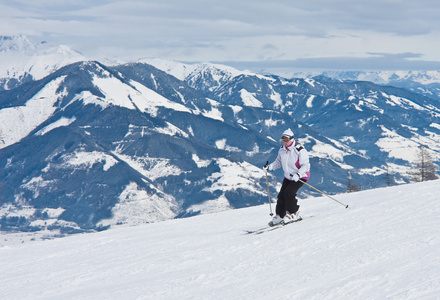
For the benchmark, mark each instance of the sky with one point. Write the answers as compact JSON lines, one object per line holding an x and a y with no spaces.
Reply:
{"x":247,"y":34}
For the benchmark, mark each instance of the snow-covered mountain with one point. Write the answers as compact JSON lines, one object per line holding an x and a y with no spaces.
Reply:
{"x":103,"y":144}
{"x":91,"y":145}
{"x":21,"y":60}
{"x":377,"y":121}
{"x":18,"y":44}
{"x":426,"y":83}
{"x":385,"y":246}
{"x":378,"y":77}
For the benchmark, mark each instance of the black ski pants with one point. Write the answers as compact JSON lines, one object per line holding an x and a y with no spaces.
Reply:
{"x":287,"y":197}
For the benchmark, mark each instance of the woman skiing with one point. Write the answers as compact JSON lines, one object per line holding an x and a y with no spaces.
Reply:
{"x":294,"y":160}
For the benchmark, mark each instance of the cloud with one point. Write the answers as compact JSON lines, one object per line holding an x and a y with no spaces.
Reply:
{"x":388,"y":16}
{"x":378,"y":61}
{"x":304,"y":32}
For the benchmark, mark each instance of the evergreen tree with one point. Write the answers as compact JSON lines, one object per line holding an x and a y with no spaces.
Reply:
{"x":352,"y":186}
{"x":388,"y":179}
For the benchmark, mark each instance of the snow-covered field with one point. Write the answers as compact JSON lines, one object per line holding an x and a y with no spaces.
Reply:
{"x":385,"y":246}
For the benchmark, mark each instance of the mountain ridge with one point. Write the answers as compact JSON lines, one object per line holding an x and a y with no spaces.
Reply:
{"x":426,"y":83}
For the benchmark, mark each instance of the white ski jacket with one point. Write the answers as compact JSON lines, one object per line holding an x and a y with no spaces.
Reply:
{"x":293,"y":160}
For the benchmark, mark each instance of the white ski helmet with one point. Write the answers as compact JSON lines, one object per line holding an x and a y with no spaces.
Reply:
{"x":288,"y":133}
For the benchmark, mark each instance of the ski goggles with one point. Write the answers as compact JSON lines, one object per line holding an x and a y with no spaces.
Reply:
{"x":285,"y":138}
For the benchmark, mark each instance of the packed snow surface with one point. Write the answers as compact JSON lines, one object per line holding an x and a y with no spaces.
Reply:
{"x":384,"y":246}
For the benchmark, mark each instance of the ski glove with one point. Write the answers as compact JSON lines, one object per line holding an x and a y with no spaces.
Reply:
{"x":295,"y":177}
{"x":266,"y":167}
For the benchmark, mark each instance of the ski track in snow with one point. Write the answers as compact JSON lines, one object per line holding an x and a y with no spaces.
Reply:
{"x":385,"y":246}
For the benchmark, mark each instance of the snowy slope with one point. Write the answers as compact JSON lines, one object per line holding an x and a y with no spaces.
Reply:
{"x":385,"y":246}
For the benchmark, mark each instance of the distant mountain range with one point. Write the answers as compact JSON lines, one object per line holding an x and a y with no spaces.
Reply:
{"x":426,"y":83}
{"x":87,"y":145}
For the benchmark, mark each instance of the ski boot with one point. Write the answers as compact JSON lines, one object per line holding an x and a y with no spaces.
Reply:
{"x":276,"y":221}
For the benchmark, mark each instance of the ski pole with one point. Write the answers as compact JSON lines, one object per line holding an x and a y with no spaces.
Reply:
{"x":268,"y":193}
{"x":346,"y":205}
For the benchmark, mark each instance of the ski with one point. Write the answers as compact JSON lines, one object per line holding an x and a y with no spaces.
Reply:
{"x":271,"y":228}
